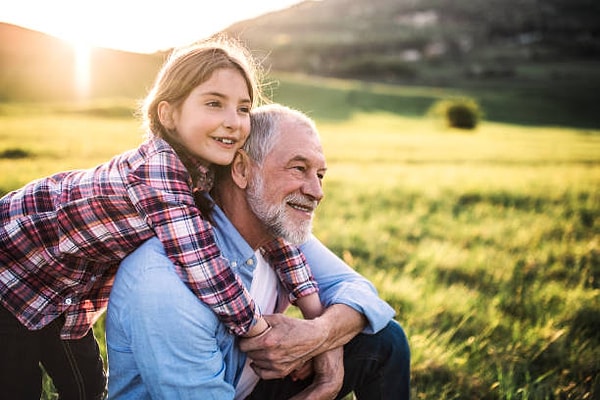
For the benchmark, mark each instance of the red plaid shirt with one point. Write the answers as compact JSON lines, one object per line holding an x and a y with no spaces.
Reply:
{"x":62,"y":239}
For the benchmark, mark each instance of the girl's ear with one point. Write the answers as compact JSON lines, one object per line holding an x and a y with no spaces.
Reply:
{"x":165,"y":114}
{"x":240,"y":168}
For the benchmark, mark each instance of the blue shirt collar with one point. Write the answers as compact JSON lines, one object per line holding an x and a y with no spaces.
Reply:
{"x":233,"y":246}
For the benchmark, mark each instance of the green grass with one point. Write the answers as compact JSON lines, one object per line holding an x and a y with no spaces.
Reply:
{"x":486,"y":243}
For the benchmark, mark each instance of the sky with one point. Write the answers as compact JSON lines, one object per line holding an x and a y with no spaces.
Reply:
{"x":142,"y":26}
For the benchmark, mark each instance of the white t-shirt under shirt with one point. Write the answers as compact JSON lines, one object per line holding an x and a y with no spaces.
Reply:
{"x":264,"y":292}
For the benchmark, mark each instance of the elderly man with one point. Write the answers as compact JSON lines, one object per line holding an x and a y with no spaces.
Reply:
{"x":164,"y":343}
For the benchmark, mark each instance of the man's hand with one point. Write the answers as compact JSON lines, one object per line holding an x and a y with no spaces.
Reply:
{"x":286,"y":347}
{"x":303,"y":372}
{"x":291,"y":341}
{"x":328,"y":378}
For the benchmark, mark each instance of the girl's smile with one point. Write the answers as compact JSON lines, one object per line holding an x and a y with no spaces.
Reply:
{"x":214,"y":120}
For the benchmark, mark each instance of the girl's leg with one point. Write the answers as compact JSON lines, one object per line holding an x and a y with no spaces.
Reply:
{"x":20,"y":374}
{"x":75,"y":366}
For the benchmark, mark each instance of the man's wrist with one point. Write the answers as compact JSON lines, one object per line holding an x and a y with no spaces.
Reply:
{"x":323,"y":328}
{"x":338,"y":325}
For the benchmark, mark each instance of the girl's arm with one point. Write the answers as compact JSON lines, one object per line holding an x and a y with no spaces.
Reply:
{"x":159,"y":189}
{"x":292,"y":269}
{"x":310,"y":306}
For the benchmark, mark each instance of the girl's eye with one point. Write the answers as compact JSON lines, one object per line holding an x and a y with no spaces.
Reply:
{"x":245,"y":110}
{"x":213,"y":104}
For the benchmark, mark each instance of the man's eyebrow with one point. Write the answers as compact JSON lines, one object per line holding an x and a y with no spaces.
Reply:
{"x":300,"y":158}
{"x":305,"y":160}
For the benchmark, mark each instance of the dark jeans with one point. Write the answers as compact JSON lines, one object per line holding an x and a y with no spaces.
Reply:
{"x":375,"y":367}
{"x":75,"y":366}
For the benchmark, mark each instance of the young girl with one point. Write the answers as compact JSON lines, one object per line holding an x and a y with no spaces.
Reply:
{"x":62,"y":237}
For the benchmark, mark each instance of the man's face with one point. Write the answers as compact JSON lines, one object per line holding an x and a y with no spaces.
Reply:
{"x":285,"y":191}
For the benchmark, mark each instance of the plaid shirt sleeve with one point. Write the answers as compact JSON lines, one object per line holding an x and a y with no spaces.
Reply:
{"x":80,"y":318}
{"x":159,"y":189}
{"x":291,"y":267}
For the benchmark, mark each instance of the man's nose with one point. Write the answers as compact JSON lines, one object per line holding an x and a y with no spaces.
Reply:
{"x":314,"y":188}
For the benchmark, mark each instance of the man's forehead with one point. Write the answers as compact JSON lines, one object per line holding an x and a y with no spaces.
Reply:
{"x":300,"y":136}
{"x":297,"y":130}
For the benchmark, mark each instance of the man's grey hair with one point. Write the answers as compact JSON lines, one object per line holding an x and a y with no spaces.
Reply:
{"x":265,"y":129}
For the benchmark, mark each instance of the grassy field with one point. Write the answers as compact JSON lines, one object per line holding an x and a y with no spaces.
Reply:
{"x":487,"y":242}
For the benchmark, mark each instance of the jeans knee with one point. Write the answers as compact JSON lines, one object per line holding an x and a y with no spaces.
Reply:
{"x":397,"y":343}
{"x":389,"y":345}
{"x":378,"y":365}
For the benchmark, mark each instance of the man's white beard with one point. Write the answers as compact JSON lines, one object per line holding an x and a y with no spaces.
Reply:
{"x":274,"y":216}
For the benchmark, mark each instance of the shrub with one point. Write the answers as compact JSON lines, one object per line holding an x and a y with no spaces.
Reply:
{"x":462,"y":113}
{"x":14,"y":153}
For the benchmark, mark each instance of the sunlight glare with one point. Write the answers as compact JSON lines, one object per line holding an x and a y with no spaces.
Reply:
{"x":132,"y":25}
{"x":83,"y":53}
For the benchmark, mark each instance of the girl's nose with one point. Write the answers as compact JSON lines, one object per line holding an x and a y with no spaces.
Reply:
{"x":232,"y":119}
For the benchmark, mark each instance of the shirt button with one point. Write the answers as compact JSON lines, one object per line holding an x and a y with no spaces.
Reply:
{"x":93,"y":279}
{"x":68,"y":301}
{"x":250,"y":262}
{"x":234,"y":264}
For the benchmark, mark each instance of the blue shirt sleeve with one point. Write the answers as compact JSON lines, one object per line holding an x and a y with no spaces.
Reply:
{"x":340,"y":284}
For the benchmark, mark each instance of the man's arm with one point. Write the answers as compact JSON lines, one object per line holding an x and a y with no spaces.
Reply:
{"x":340,"y":284}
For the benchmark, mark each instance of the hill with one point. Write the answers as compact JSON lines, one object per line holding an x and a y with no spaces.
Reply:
{"x":526,"y":61}
{"x":425,"y":41}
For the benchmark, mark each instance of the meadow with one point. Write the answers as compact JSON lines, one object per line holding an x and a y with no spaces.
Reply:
{"x":486,"y":242}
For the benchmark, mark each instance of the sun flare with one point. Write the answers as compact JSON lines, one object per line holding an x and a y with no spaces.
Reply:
{"x":82,"y":58}
{"x":127,"y":26}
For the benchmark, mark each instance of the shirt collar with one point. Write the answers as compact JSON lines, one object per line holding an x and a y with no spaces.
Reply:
{"x":204,"y":174}
{"x":233,"y":246}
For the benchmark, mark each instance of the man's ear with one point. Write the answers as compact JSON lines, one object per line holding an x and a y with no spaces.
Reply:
{"x":240,"y":169}
{"x":165,"y":114}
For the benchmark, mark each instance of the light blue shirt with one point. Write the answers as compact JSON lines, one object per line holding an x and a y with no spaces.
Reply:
{"x":164,"y":343}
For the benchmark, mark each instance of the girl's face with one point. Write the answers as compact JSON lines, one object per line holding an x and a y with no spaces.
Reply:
{"x":214,"y":120}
